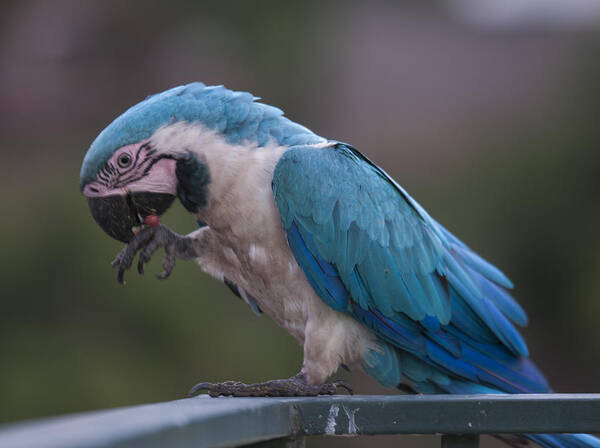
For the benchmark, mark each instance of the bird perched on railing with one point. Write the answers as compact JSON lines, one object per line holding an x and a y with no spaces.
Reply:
{"x":312,"y":233}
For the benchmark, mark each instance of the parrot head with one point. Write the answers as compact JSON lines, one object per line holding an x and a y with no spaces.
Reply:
{"x":172,"y":145}
{"x":127,"y":176}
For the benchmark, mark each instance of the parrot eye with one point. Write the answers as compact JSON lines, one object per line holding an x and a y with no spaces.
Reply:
{"x":124,"y":160}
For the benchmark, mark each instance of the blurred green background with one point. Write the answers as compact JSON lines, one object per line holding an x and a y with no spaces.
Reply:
{"x":487,"y":113}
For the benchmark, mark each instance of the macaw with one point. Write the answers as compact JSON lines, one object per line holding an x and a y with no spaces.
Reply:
{"x":312,"y":233}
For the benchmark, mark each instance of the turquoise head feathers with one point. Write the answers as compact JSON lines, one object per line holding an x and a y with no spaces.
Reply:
{"x":235,"y":115}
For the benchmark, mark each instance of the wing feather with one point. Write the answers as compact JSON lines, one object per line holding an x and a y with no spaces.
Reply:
{"x":370,"y":250}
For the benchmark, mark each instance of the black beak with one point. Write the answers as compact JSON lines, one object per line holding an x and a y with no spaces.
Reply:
{"x":117,"y":215}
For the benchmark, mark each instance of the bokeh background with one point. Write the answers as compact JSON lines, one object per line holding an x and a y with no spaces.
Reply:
{"x":486,"y":111}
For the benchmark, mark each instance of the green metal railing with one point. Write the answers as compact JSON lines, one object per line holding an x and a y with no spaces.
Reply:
{"x":229,"y":422}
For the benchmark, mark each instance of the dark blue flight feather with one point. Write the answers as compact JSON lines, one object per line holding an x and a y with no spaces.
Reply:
{"x":442,"y":313}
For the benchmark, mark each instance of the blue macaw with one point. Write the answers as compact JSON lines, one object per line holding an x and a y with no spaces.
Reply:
{"x":312,"y":233}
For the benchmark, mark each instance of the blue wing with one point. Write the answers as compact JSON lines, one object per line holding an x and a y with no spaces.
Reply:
{"x":443,"y":314}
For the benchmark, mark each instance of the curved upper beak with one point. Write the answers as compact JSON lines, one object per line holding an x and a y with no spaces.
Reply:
{"x":117,"y":215}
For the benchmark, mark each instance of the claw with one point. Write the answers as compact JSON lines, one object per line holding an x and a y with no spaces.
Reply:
{"x":140,"y":266}
{"x":121,"y":276}
{"x":163,"y":275}
{"x":344,"y":385}
{"x":168,"y":263}
{"x":227,"y":388}
{"x":117,"y":261}
{"x":198,"y":387}
{"x":148,"y":240}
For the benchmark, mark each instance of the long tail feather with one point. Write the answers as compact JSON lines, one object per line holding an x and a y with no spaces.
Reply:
{"x":565,"y":440}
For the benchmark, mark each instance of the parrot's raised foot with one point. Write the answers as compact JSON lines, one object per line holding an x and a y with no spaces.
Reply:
{"x":291,"y":387}
{"x":147,"y":241}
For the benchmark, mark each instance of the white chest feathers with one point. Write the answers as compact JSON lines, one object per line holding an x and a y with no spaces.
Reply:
{"x":245,"y":242}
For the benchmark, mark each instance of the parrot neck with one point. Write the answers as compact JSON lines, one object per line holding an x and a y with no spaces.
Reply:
{"x":220,"y":182}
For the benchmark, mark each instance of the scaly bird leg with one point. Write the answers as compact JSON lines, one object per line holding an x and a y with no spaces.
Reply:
{"x":148,"y":241}
{"x":296,"y":386}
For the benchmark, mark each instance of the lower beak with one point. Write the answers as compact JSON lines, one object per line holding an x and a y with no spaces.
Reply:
{"x":118,"y":214}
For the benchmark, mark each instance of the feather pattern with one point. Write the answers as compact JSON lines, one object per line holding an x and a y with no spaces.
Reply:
{"x":443,"y":316}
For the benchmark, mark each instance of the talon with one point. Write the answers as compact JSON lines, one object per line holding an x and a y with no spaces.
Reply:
{"x":168,"y":262}
{"x":200,"y":386}
{"x":344,"y":385}
{"x":140,"y":266}
{"x":146,"y":242}
{"x":121,"y":275}
{"x":163,"y":275}
{"x":117,"y":261}
{"x":166,"y":272}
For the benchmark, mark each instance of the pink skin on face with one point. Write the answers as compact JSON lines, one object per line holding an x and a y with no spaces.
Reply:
{"x":134,"y":168}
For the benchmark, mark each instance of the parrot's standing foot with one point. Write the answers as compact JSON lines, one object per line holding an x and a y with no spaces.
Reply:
{"x":148,"y":240}
{"x":295,"y":386}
